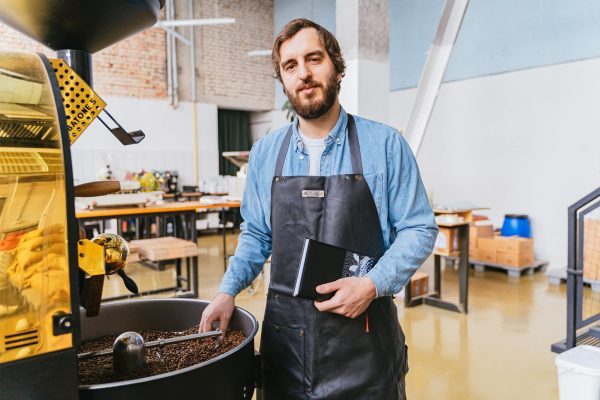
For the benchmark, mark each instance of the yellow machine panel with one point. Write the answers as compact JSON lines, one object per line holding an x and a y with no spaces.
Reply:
{"x":82,"y":105}
{"x":34,"y":261}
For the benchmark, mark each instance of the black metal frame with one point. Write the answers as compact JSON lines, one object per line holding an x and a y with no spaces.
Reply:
{"x":80,"y":61}
{"x":575,"y":321}
{"x":224,"y":231}
{"x":434,"y":299}
{"x":72,"y":226}
{"x":189,"y":217}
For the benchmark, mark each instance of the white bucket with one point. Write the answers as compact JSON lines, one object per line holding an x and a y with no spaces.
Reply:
{"x":579,"y":373}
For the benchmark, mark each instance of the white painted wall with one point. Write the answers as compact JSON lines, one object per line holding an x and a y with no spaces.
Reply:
{"x":366,"y":85}
{"x":349,"y":93}
{"x":374,"y":89}
{"x":526,"y":141}
{"x":169,"y":142}
{"x":365,"y":89}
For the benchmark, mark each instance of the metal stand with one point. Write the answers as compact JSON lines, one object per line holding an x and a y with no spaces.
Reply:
{"x":224,"y":239}
{"x":223,"y":228}
{"x":225,"y":255}
{"x":435,"y":299}
{"x":576,"y":335}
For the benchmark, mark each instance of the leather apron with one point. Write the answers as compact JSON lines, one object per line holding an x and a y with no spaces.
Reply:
{"x":308,"y":354}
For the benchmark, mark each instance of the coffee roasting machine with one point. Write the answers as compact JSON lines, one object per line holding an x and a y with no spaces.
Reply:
{"x":51,"y":277}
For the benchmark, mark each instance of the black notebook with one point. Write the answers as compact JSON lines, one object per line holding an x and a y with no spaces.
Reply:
{"x":322,"y":263}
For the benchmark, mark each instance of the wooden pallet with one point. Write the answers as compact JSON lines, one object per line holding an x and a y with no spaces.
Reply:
{"x":594,"y":284}
{"x":513,"y":272}
{"x":558,"y":276}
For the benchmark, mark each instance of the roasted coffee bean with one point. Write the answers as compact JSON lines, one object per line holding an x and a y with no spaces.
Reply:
{"x":174,"y":356}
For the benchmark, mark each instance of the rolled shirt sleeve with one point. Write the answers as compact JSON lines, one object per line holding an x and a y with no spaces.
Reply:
{"x":411,"y":218}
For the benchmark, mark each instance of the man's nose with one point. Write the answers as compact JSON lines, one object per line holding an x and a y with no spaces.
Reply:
{"x":303,"y":71}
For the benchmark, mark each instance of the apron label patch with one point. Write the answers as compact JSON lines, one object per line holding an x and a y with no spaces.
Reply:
{"x":313,"y":193}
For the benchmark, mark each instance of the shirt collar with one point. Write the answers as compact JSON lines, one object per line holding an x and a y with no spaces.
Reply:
{"x":337,"y":133}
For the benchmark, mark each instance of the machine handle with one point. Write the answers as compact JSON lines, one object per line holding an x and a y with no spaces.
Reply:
{"x":97,"y":188}
{"x":129,"y":283}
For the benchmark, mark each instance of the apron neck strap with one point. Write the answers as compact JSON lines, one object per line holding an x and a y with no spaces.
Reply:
{"x":354,"y":146}
{"x":352,"y":139}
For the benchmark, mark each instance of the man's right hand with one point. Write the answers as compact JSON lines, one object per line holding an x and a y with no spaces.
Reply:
{"x":220,"y":309}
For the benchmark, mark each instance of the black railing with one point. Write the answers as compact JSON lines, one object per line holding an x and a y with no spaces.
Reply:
{"x":575,"y":321}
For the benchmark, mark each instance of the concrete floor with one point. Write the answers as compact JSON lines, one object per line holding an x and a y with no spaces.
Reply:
{"x":500,"y":350}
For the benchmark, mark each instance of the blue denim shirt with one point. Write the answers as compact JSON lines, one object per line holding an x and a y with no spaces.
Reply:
{"x":390,"y":169}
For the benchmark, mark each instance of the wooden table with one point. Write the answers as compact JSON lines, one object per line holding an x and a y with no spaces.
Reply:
{"x":187,"y":210}
{"x":435,"y":298}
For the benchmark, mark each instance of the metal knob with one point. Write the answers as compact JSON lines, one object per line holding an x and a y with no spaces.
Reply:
{"x":129,"y":352}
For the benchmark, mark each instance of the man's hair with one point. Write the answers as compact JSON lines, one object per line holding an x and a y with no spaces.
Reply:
{"x":327,"y":39}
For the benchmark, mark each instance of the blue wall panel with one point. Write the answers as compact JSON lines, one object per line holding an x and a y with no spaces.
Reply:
{"x":412,"y":27}
{"x":496,"y":36}
{"x":320,"y":11}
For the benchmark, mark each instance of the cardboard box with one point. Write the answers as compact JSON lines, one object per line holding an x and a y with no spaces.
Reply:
{"x":514,"y":259}
{"x":485,"y":256}
{"x":590,"y":266}
{"x":477,"y":231}
{"x":486,"y":244}
{"x":592,"y":226}
{"x":591,"y":249}
{"x":419,"y":284}
{"x":514,"y":244}
{"x":474,"y":255}
{"x":447,"y":240}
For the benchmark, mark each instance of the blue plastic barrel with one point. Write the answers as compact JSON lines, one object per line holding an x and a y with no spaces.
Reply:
{"x":516,"y":225}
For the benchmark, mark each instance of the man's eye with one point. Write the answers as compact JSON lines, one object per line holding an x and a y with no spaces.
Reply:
{"x":313,"y":59}
{"x":289,"y":67}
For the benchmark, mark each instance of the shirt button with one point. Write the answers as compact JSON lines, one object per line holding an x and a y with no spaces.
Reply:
{"x":338,"y":140}
{"x":301,"y":157}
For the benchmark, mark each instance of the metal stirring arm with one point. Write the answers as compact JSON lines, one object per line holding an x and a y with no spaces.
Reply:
{"x":155,"y":343}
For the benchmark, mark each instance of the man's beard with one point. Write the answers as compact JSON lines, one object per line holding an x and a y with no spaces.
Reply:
{"x":315,"y":109}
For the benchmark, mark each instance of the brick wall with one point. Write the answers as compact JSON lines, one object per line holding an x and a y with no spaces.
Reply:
{"x":134,"y":67}
{"x":227,"y":76}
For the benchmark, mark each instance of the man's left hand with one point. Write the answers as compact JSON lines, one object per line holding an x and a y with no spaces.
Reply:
{"x":352,"y":296}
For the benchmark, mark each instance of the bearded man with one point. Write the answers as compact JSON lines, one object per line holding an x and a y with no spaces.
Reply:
{"x":341,"y":180}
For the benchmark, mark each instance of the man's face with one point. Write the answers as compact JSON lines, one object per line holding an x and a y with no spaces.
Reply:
{"x":308,"y":75}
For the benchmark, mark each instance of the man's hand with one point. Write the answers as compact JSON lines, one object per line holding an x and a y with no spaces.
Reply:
{"x":352,"y":296}
{"x":220,"y":309}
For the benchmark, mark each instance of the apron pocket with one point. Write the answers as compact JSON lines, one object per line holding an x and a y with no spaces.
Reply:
{"x":282,"y":354}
